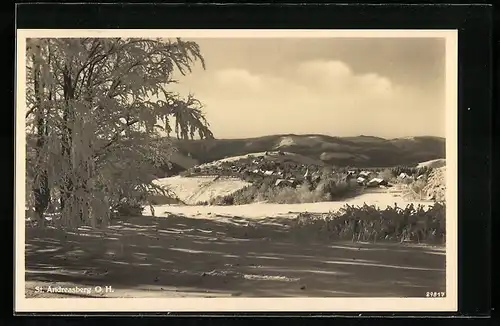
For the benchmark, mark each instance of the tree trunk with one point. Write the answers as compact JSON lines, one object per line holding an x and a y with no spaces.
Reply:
{"x":67,"y":186}
{"x":41,"y":191}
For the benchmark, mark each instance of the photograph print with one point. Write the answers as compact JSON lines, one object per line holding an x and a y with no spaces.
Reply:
{"x":212,"y":170}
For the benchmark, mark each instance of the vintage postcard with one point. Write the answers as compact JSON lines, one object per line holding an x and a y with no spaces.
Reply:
{"x":236,"y":170}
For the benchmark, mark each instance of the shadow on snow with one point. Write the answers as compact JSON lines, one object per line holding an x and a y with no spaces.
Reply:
{"x":177,"y":253}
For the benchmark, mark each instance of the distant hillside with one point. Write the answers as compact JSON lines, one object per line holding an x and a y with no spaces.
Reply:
{"x":361,"y":151}
{"x":435,"y":164}
{"x":269,"y":157}
{"x":178,"y":161}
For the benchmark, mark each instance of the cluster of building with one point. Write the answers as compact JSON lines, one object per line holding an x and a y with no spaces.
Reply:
{"x":290,"y":173}
{"x":405,"y":176}
{"x":367,"y":179}
{"x":372,"y":179}
{"x":286,"y":173}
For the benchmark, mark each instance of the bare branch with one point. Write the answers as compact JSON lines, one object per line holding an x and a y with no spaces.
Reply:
{"x":115,"y":138}
{"x":31,"y":110}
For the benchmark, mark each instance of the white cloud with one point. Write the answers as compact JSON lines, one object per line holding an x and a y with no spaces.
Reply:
{"x":313,"y":97}
{"x":337,"y":77}
{"x":238,"y":78}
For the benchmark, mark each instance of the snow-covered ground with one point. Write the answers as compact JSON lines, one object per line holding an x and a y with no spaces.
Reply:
{"x":433,"y":163}
{"x":211,"y":256}
{"x":193,"y":190}
{"x":262,"y":210}
{"x":228,"y":251}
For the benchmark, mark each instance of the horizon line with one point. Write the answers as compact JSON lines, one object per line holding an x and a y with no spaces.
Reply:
{"x":309,"y":135}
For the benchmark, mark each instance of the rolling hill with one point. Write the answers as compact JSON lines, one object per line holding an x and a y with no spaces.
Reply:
{"x":269,"y":156}
{"x":361,"y":151}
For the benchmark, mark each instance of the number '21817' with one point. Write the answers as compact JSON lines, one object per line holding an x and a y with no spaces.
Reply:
{"x":435,"y":294}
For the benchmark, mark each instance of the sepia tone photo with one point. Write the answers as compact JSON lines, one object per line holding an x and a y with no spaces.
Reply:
{"x":236,"y":170}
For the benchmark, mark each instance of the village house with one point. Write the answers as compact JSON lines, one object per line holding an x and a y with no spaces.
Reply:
{"x":377,"y":182}
{"x":403,"y":176}
{"x":284,"y":183}
{"x":364,"y":174}
{"x":361,"y":181}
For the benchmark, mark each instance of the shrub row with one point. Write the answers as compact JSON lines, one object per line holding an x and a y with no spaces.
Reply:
{"x":411,"y":170}
{"x":326,"y":190}
{"x":370,"y":223}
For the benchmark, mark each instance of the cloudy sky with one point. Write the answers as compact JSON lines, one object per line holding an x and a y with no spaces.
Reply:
{"x":382,"y":87}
